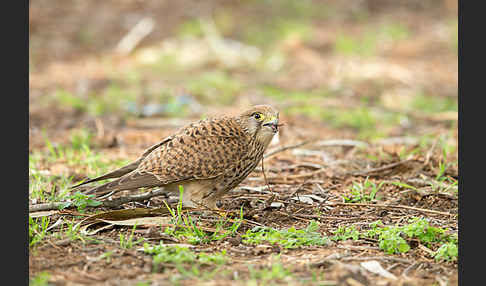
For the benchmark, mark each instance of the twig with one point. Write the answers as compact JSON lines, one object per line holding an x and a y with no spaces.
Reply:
{"x":135,"y":35}
{"x":284,"y":148}
{"x":284,"y":181}
{"x":265,"y":177}
{"x":100,"y":130}
{"x":113,"y":203}
{"x":53,"y":244}
{"x":417,"y":169}
{"x":429,"y":153}
{"x":293,"y":216}
{"x":342,"y":142}
{"x":390,"y":207}
{"x":412,"y":266}
{"x":358,"y":247}
{"x":355,"y":173}
{"x":335,"y":217}
{"x":45,"y":207}
{"x":252,"y":189}
{"x":310,"y":174}
{"x":292,"y":167}
{"x":397,"y":140}
{"x":332,"y":260}
{"x":382,"y":168}
{"x":396,"y":259}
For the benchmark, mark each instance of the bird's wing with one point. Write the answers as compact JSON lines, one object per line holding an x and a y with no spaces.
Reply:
{"x":203,"y":151}
{"x":125,"y":169}
{"x":200,"y":151}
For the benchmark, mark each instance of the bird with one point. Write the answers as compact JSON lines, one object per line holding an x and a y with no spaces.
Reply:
{"x":205,"y":159}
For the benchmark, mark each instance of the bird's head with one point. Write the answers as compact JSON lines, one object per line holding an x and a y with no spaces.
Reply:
{"x":261,"y":121}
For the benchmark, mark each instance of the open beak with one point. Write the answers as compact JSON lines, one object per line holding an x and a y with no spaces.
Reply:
{"x":273,"y":125}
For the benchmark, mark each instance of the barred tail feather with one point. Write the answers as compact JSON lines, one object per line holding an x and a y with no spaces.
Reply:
{"x":130,"y":181}
{"x":115,"y":174}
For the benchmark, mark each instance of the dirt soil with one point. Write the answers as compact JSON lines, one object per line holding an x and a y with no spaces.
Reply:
{"x":327,"y":172}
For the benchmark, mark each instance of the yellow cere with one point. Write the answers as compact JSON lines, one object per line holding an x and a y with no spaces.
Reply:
{"x":273,"y":118}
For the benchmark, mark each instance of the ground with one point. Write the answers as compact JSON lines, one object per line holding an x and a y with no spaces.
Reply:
{"x":360,"y":186}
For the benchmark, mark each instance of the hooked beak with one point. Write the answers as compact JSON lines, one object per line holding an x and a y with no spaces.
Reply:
{"x":273,"y":124}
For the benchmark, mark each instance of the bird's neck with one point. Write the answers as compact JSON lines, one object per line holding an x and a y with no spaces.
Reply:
{"x":257,"y":144}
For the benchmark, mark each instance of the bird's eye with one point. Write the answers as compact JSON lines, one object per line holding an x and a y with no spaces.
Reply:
{"x":257,"y":116}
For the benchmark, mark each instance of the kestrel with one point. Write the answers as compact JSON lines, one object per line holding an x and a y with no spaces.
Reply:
{"x":207,"y":158}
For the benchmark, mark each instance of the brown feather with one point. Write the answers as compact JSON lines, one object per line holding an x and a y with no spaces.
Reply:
{"x":125,"y":169}
{"x":129,"y":181}
{"x":208,"y":158}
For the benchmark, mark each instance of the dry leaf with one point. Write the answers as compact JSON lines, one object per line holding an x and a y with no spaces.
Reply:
{"x":374,"y":266}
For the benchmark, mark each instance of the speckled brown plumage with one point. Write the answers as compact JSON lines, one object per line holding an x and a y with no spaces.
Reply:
{"x":208,"y":158}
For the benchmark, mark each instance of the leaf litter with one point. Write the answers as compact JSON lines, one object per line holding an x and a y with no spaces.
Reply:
{"x":310,"y":171}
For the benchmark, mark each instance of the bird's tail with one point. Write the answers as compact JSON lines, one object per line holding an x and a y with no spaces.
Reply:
{"x":115,"y":174}
{"x":130,"y":181}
